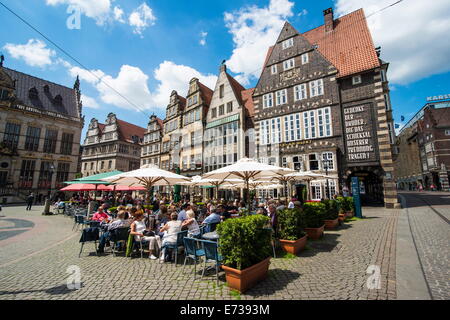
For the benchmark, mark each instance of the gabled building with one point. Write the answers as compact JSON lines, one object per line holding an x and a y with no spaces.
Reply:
{"x":114,"y":145}
{"x":194,"y":120}
{"x":151,"y":145}
{"x":171,"y":141}
{"x":40,"y":130}
{"x":322,"y":104}
{"x":229,"y":127}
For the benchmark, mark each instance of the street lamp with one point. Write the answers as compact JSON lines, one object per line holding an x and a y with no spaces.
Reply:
{"x":325,"y":164}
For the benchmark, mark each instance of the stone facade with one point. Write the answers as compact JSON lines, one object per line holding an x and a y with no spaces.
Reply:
{"x":115,"y":145}
{"x":40,"y":130}
{"x":151,"y":145}
{"x":315,"y":111}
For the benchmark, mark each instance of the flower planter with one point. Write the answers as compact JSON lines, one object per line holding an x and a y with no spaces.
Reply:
{"x":349,"y":214}
{"x":315,"y":233}
{"x":331,"y":224}
{"x":294,"y":247}
{"x":242,"y":280}
{"x":342,"y":217}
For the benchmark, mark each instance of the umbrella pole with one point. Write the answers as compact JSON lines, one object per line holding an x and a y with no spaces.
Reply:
{"x":248,"y":195}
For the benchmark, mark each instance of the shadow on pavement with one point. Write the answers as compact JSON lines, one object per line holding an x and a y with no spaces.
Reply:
{"x":62,"y":289}
{"x":277,"y":280}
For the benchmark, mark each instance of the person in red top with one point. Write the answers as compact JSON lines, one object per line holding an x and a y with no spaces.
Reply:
{"x":100,"y":215}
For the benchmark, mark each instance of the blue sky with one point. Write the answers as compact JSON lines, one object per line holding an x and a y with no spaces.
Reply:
{"x":145,"y":49}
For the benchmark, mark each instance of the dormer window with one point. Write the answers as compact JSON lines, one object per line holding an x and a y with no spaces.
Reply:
{"x":33,"y":93}
{"x":274,"y":69}
{"x":46,"y":88}
{"x":305,"y":58}
{"x":288,"y":43}
{"x":356,"y":80}
{"x":58,"y":99}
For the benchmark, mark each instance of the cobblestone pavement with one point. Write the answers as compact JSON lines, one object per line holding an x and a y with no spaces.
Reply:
{"x":428,"y":214}
{"x":332,"y":268}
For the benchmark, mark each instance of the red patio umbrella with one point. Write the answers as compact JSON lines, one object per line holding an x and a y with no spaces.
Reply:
{"x":82,"y":187}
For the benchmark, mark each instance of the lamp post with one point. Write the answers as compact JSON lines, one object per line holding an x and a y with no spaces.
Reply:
{"x":47,"y":199}
{"x":325,"y":166}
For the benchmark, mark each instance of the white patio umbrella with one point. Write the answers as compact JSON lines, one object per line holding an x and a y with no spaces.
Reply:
{"x":307,"y":176}
{"x":248,"y":169}
{"x":147,"y":176}
{"x":198,"y":181}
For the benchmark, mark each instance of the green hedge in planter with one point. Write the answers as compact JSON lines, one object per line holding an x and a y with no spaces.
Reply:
{"x":331,"y":209}
{"x":346,"y":204}
{"x":291,"y":224}
{"x":314,"y":214}
{"x":244,"y":242}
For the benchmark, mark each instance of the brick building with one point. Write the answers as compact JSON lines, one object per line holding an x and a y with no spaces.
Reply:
{"x":114,"y":145}
{"x":322,"y":104}
{"x":151,"y":144}
{"x":40,"y":130}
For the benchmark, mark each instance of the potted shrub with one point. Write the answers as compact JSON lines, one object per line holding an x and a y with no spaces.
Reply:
{"x":314,"y":215}
{"x":331,"y":217}
{"x":291,"y":234}
{"x":346,"y":205}
{"x":245,"y":247}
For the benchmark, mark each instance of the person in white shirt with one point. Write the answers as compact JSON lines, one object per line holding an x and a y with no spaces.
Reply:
{"x":172,"y":228}
{"x":192,"y":225}
{"x":138,"y":228}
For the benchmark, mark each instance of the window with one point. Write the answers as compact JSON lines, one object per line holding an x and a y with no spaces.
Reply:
{"x":392,"y":133}
{"x":102,"y":165}
{"x":268,"y":100}
{"x":447,"y":132}
{"x":51,"y":137}
{"x":313,"y":162}
{"x":221,"y":91}
{"x":332,"y":190}
{"x":316,"y":191}
{"x":388,"y":102}
{"x":305,"y":58}
{"x":316,"y":88}
{"x":274,"y":69}
{"x":276,"y":130}
{"x":288,"y":64}
{"x":45,"y":175}
{"x":230,"y":107}
{"x":92,"y":166}
{"x":221,"y":110}
{"x":3,"y":94}
{"x":62,"y":173}
{"x":110,"y":164}
{"x":306,"y":125}
{"x":284,"y":162}
{"x":281,"y":97}
{"x":12,"y":134}
{"x":328,"y":131}
{"x":383,"y":75}
{"x":214,"y":113}
{"x":312,"y":124}
{"x":287,"y":43}
{"x":327,"y":158}
{"x":66,"y":143}
{"x":321,"y":122}
{"x":289,"y":128}
{"x":264,"y":132}
{"x":27,"y":173}
{"x":300,"y":92}
{"x":298,"y":163}
{"x":32,"y":139}
{"x":356,"y":80}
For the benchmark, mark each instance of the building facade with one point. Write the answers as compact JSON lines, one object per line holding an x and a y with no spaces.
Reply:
{"x":40,"y":130}
{"x":151,"y":145}
{"x":114,"y":145}
{"x":316,"y":111}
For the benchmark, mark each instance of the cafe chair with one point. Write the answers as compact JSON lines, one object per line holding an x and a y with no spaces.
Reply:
{"x":191,"y":252}
{"x":89,"y":235}
{"x":211,"y":256}
{"x":119,"y":235}
{"x":176,"y":246}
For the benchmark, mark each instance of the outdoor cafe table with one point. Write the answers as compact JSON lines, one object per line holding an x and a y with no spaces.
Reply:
{"x":211,"y":236}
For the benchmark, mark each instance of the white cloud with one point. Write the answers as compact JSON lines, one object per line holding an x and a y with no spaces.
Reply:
{"x":91,"y":77}
{"x":254,"y":30}
{"x":141,"y":18}
{"x":176,"y":77}
{"x":89,"y":102}
{"x":304,"y":12}
{"x":118,"y":14}
{"x":35,"y":53}
{"x":99,"y":10}
{"x":413,"y":35}
{"x":203,"y":36}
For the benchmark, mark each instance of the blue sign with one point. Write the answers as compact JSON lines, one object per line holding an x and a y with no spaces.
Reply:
{"x":356,"y":192}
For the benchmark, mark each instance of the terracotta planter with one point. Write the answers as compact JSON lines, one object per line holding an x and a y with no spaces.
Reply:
{"x":342,"y":217}
{"x":349,"y":214}
{"x":242,"y":280}
{"x":294,"y":247}
{"x":331,"y":224}
{"x":315,"y":233}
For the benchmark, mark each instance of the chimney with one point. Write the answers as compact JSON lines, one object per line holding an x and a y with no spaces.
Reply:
{"x":329,"y":23}
{"x":223,"y":66}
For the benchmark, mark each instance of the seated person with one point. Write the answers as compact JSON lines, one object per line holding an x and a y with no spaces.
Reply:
{"x":100,"y":215}
{"x":171,"y":228}
{"x":192,"y":225}
{"x":221,"y":210}
{"x":137,"y":230}
{"x":119,"y":223}
{"x":213,"y":218}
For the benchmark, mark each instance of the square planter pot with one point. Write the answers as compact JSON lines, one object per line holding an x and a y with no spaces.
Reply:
{"x":342,"y":217}
{"x":349,"y":214}
{"x":242,"y":280}
{"x":315,"y":233}
{"x":331,"y":224}
{"x":294,"y":247}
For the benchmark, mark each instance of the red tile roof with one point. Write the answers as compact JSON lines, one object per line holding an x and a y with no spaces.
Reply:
{"x":349,"y":46}
{"x":206,"y":93}
{"x":127,"y":130}
{"x":247,"y":98}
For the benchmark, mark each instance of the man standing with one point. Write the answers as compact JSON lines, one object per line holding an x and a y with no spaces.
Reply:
{"x":30,"y":200}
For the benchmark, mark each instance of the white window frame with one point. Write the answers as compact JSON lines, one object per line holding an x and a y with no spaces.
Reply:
{"x":328,"y":122}
{"x":264,"y":132}
{"x":305,"y":58}
{"x":312,"y":124}
{"x":281,"y":97}
{"x":287,"y":43}
{"x":316,"y":88}
{"x":306,"y":125}
{"x":357,"y":80}
{"x":329,"y":157}
{"x":268,"y":100}
{"x":289,"y":64}
{"x":300,"y":92}
{"x":387,"y":102}
{"x":274,"y":69}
